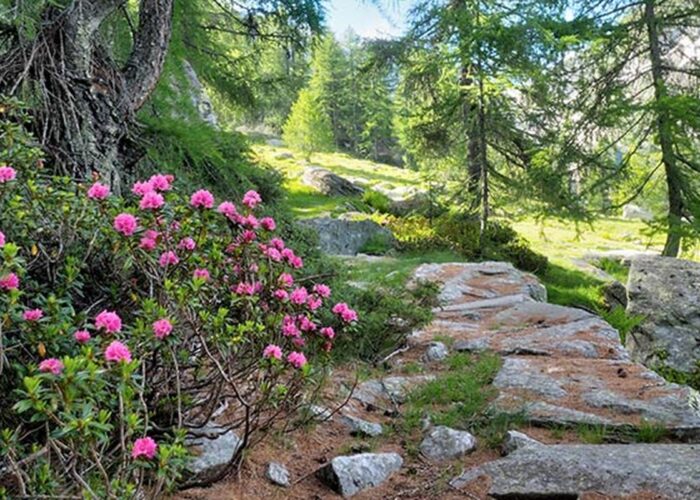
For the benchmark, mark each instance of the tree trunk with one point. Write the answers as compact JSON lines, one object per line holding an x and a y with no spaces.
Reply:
{"x":89,"y":103}
{"x":470,"y":116}
{"x":665,"y":133}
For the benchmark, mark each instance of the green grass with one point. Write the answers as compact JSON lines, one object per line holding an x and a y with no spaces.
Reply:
{"x":307,"y":202}
{"x":457,"y":397}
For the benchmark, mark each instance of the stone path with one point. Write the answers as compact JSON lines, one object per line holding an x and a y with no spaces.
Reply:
{"x":561,"y":366}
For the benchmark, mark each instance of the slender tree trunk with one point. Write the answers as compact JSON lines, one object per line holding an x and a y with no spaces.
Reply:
{"x":665,"y":133}
{"x":470,"y":116}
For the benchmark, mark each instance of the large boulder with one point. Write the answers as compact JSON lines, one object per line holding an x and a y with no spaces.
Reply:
{"x":329,"y":183}
{"x":404,"y":199}
{"x":666,"y":291}
{"x":351,"y":474}
{"x":632,"y":212}
{"x":347,"y":237}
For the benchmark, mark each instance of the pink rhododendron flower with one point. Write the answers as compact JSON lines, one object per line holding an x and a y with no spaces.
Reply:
{"x":148,"y":244}
{"x":327,"y":332}
{"x":247,"y":236}
{"x":296,"y":359}
{"x":228,"y":209}
{"x":51,"y":365}
{"x":322,"y":290}
{"x":280,"y":294}
{"x":2,"y":239}
{"x":299,"y":296}
{"x":108,"y":321}
{"x":251,"y":199}
{"x":341,"y":309}
{"x":299,"y":341}
{"x":144,"y":448}
{"x":268,"y":223}
{"x":289,"y":327}
{"x":116,"y":352}
{"x":98,"y":191}
{"x":33,"y":315}
{"x":141,"y":188}
{"x":273,"y":254}
{"x":306,"y":325}
{"x":272,"y":351}
{"x":245,"y":288}
{"x":202,"y":199}
{"x":9,"y":282}
{"x":125,"y":224}
{"x":162,"y":328}
{"x":161,"y":182}
{"x":277,"y":243}
{"x":187,"y":244}
{"x":81,"y":336}
{"x":286,"y":279}
{"x":201,"y":274}
{"x":168,"y":258}
{"x":7,"y":174}
{"x":314,"y":302}
{"x":151,"y":201}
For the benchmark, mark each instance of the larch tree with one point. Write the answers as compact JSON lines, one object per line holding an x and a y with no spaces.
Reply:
{"x":633,"y":86}
{"x":308,"y":128}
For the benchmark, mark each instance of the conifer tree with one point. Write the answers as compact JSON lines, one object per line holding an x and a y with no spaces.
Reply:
{"x":308,"y":128}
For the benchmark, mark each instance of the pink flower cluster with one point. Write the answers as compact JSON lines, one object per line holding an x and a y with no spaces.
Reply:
{"x":125,"y":224}
{"x":98,"y":191}
{"x":51,"y":365}
{"x":117,"y":352}
{"x":7,"y":174}
{"x":2,"y":239}
{"x":162,"y":328}
{"x":108,"y":321}
{"x":342,"y":310}
{"x":9,"y":282}
{"x":82,"y":336}
{"x":144,"y":448}
{"x":202,"y":199}
{"x":33,"y":315}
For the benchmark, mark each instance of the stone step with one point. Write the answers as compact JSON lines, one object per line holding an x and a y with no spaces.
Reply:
{"x":568,"y":471}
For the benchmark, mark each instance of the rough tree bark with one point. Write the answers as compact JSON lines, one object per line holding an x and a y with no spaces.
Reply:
{"x":87,"y":102}
{"x":665,"y":134}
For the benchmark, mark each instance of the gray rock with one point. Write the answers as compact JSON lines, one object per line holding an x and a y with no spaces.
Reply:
{"x":567,"y":471}
{"x":320,"y":413}
{"x":349,"y":475}
{"x":387,"y":391}
{"x":277,"y":474}
{"x":667,"y":292}
{"x":515,"y":440}
{"x":275,"y":142}
{"x":359,"y":427}
{"x":284,"y":156}
{"x":437,"y":351}
{"x":443,"y":443}
{"x":212,"y":449}
{"x":200,"y":97}
{"x":329,"y":183}
{"x":347,"y":237}
{"x":635,"y":212}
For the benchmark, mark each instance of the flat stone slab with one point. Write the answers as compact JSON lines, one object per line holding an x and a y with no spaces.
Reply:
{"x":597,"y":391}
{"x":567,"y":471}
{"x":443,"y":443}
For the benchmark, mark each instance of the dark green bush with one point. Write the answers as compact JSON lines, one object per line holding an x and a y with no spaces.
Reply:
{"x":378,"y":201}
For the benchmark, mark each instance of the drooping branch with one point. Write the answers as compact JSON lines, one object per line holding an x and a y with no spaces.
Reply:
{"x":145,"y":63}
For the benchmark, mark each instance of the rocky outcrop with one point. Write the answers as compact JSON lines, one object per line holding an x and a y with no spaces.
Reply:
{"x":404,"y":199}
{"x":667,"y":292}
{"x":568,"y":471}
{"x":347,"y":237}
{"x":348,"y":475}
{"x":443,"y":443}
{"x":360,"y":427}
{"x":200,"y":97}
{"x":329,"y":183}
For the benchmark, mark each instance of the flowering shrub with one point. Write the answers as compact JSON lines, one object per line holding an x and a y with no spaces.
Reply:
{"x":192,"y":314}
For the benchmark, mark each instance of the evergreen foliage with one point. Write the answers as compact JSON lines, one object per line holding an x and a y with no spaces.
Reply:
{"x":308,"y":128}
